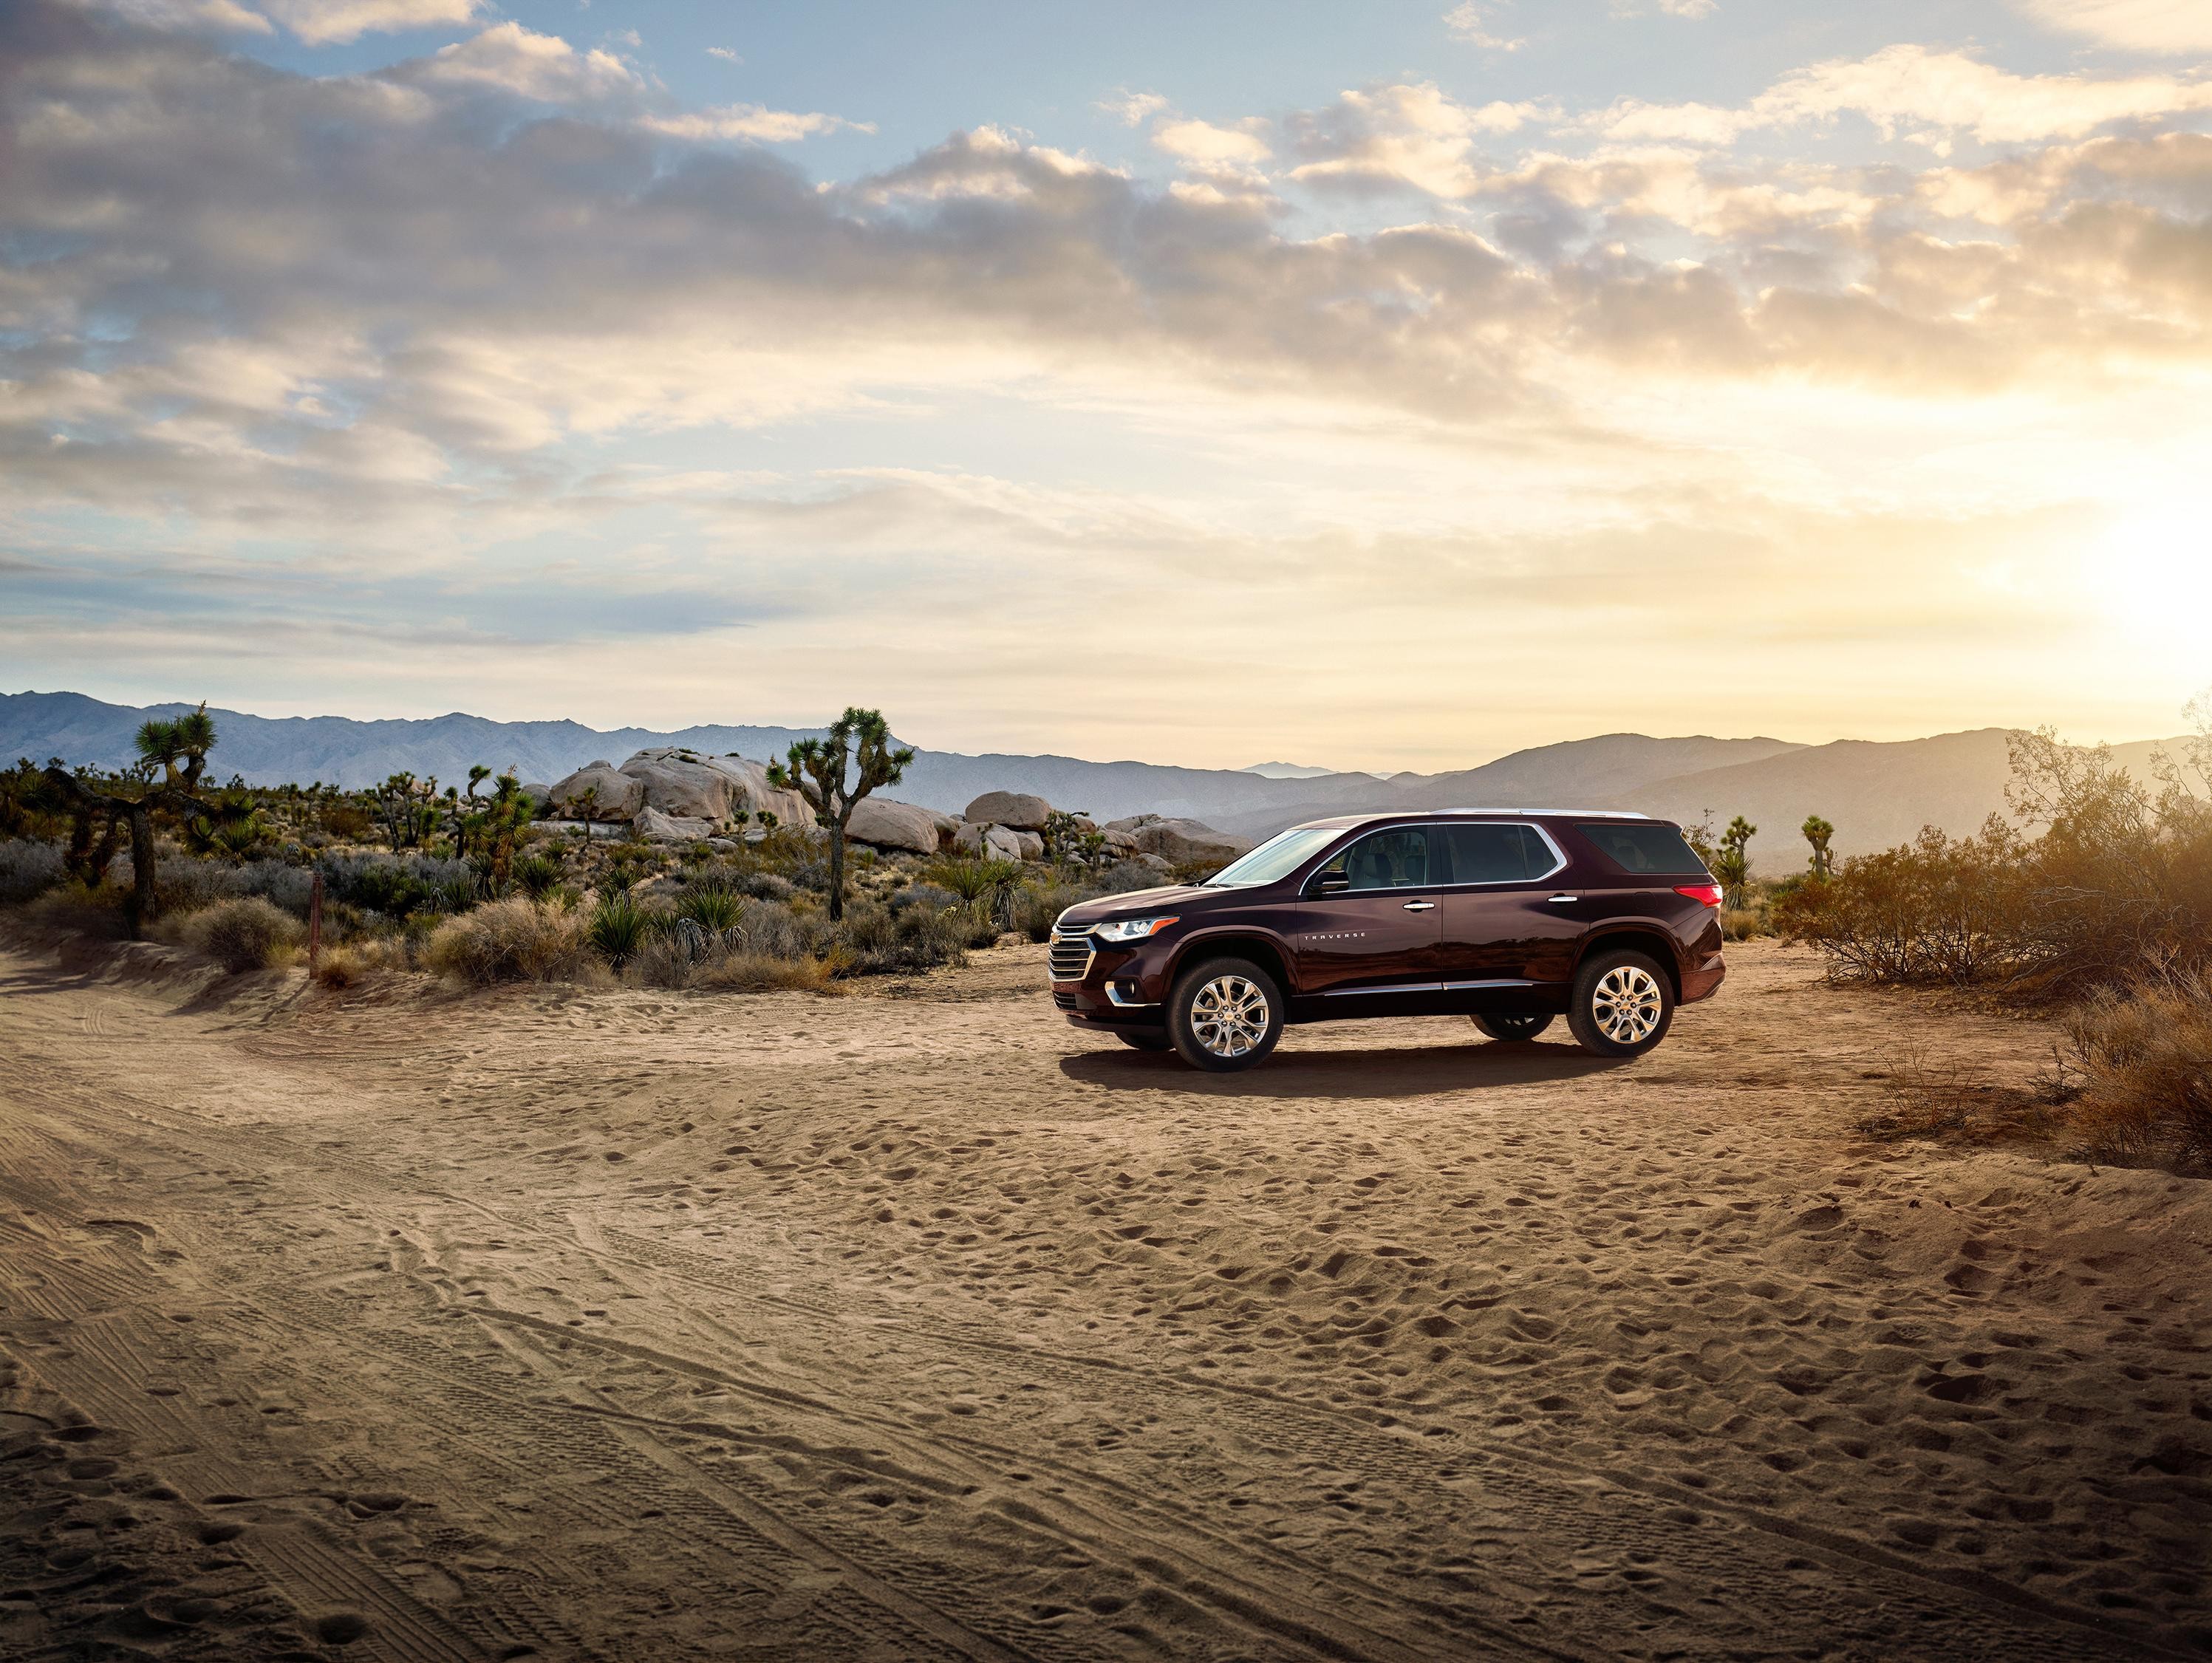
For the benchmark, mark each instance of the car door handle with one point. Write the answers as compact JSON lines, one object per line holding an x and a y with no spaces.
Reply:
{"x":1565,"y":897}
{"x":1420,"y":906}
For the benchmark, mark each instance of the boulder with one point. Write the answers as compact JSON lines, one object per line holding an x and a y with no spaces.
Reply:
{"x":539,"y":795}
{"x":948,"y":827}
{"x":992,"y":842}
{"x":1133,"y":822}
{"x":1016,"y":809}
{"x":658,"y":827}
{"x":1153,"y":863}
{"x":1118,"y":842}
{"x":680,"y":783}
{"x":751,"y":791}
{"x":1032,"y":845}
{"x":1178,"y":840}
{"x":620,"y":796}
{"x":885,"y":824}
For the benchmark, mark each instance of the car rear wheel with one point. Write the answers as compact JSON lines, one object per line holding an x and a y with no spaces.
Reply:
{"x":1515,"y":1027}
{"x":1623,"y":1004}
{"x":1144,"y":1040}
{"x":1224,"y":1014}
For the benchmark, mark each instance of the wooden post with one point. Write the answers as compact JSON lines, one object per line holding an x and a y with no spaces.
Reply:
{"x":315,"y":924}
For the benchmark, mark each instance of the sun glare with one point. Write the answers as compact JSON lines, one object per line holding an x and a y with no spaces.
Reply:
{"x":2152,"y":569}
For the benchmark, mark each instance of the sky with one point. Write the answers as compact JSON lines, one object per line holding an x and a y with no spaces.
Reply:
{"x":1383,"y":386}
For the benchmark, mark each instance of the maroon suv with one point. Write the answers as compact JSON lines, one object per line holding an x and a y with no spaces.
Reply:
{"x":1510,"y":916}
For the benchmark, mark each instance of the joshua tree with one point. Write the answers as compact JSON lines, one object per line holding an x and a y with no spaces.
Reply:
{"x":179,"y":749}
{"x":1700,"y":838}
{"x":1732,"y":861}
{"x":833,"y":774}
{"x":1817,"y":833}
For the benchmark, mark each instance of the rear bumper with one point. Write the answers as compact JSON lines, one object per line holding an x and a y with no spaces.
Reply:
{"x":1703,"y":979}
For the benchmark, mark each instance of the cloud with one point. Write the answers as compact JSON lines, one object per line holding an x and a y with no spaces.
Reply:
{"x":1470,"y":22}
{"x":752,"y":121}
{"x":1913,"y":90}
{"x":725,"y":54}
{"x":543,"y":67}
{"x":1411,"y":135}
{"x":326,"y":22}
{"x":1209,"y":146}
{"x":2142,"y":26}
{"x":1132,"y":109}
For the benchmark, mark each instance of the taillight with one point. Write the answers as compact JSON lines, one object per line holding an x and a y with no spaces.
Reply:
{"x":1708,"y":895}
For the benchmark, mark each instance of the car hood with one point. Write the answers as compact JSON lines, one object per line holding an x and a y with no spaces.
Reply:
{"x":1138,"y":902}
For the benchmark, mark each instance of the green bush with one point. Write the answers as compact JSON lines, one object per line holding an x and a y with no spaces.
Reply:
{"x":714,"y":909}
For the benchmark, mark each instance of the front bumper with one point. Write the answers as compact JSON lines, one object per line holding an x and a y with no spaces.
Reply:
{"x":1096,"y":984}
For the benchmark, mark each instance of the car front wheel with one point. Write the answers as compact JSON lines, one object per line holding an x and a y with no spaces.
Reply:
{"x":1224,"y":1014}
{"x":1623,"y":1004}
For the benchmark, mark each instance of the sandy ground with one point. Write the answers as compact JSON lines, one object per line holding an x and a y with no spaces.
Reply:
{"x":911,"y":1324}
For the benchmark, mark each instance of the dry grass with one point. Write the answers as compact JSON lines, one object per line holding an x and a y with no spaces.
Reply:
{"x":1956,"y":1102}
{"x":245,"y":934}
{"x":744,"y":972}
{"x":2146,"y":1055}
{"x":517,"y":939}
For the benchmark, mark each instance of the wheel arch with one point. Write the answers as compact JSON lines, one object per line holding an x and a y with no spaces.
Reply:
{"x":1647,"y":938}
{"x":1260,"y":948}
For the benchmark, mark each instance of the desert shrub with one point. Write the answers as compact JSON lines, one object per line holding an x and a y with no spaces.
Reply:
{"x":773,"y":930}
{"x":743,"y":972}
{"x":1033,"y":909}
{"x":1191,"y":871}
{"x":923,"y":895}
{"x":396,"y":885}
{"x":1126,"y":877}
{"x":666,"y":958}
{"x":2145,"y":1055}
{"x":27,"y":868}
{"x":1743,"y":923}
{"x":280,"y":883}
{"x":338,"y":968}
{"x":974,"y":878}
{"x":618,"y":927}
{"x":244,"y":934}
{"x":516,"y":940}
{"x":1935,"y":909}
{"x":72,"y":906}
{"x":2117,"y":889}
{"x":876,"y":940}
{"x":713,"y":908}
{"x":536,"y":875}
{"x":763,"y":886}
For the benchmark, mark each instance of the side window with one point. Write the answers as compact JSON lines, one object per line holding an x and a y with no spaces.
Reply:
{"x":1388,"y":861}
{"x":1490,"y":854}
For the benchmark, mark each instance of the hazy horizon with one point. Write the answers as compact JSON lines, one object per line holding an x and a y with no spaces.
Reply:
{"x":1384,"y":388}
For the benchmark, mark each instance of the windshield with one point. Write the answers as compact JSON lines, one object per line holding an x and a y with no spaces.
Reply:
{"x":1278,"y":857}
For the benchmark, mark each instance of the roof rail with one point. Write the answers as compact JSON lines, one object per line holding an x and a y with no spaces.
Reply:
{"x":1577,"y":814}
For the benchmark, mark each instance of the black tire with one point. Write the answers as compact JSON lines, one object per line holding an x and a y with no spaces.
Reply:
{"x":1197,"y":1006}
{"x":1623,"y":1004}
{"x":1514,"y":1026}
{"x":1144,"y":1039}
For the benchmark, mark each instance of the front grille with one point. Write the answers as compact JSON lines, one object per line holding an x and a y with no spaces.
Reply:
{"x":1070,"y":958}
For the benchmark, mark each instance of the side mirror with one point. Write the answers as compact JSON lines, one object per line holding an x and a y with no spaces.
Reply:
{"x":1329,"y":883}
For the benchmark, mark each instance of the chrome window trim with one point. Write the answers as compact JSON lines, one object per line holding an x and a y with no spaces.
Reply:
{"x":1558,"y":857}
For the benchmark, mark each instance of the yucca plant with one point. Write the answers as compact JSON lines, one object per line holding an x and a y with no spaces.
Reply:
{"x":536,"y":875}
{"x":714,"y":909}
{"x":618,"y":928}
{"x":974,"y":878}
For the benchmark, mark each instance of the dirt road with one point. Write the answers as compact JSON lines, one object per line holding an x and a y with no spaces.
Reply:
{"x":417,"y":1326}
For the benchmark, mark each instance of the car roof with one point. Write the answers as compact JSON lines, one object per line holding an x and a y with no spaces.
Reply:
{"x":1350,"y":821}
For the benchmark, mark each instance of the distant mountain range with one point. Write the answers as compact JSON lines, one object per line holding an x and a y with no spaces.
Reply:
{"x":1876,"y":794}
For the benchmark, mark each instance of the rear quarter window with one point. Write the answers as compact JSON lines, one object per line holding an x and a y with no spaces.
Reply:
{"x":1642,"y":849}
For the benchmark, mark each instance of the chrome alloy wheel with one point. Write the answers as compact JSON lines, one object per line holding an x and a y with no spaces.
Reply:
{"x":1229,"y":1015}
{"x":1625,"y":1004}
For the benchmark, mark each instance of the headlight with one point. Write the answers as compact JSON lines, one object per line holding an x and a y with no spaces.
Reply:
{"x":1132,"y":929}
